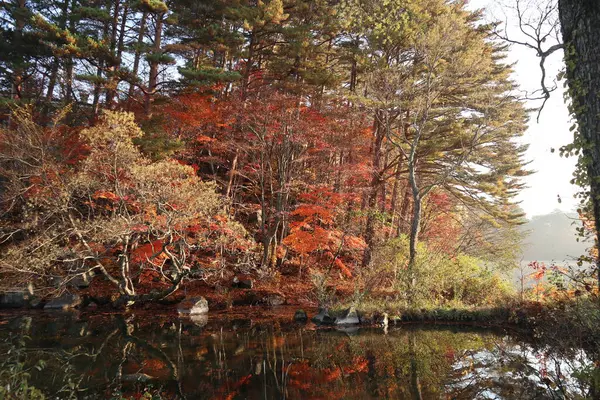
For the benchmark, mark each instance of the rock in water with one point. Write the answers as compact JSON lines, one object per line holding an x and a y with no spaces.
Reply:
{"x":350,"y":317}
{"x":13,"y":300}
{"x":193,"y":306}
{"x":323,"y":317}
{"x":64,"y":302}
{"x":300,"y":316}
{"x":82,"y":280}
{"x":243,"y":283}
{"x":199,"y":319}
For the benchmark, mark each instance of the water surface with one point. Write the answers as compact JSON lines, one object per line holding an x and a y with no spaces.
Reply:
{"x":257,"y":356}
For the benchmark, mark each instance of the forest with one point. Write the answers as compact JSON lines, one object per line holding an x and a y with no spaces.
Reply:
{"x":330,"y":154}
{"x":355,"y":159}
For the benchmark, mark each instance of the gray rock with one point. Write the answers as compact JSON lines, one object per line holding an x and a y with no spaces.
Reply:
{"x":349,"y":317}
{"x":193,"y":306}
{"x":243,"y":283}
{"x":81,"y":281}
{"x":300,"y":316}
{"x":64,"y":302}
{"x":137,"y":377}
{"x":13,"y":299}
{"x":323,"y":317}
{"x":348,"y":329}
{"x":199,"y":320}
{"x":36,"y":302}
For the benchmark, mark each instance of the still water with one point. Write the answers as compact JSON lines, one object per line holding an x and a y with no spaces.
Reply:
{"x":227,"y":356}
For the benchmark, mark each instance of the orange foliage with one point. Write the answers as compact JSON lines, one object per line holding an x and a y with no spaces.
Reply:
{"x":143,"y":252}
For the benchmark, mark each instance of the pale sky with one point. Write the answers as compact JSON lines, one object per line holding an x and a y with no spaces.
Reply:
{"x":553,"y":172}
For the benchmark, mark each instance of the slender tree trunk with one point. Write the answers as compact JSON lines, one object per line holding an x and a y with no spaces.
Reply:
{"x":117,"y":44}
{"x":154,"y":63}
{"x":56,"y":63}
{"x":379,"y":132}
{"x":415,"y":227}
{"x":97,"y":84}
{"x":138,"y":55}
{"x":18,"y":72}
{"x":232,"y":174}
{"x":248,"y":67}
{"x":394,"y":199}
{"x":69,"y":63}
{"x":52,"y":80}
{"x":97,"y":91}
{"x":580,"y":23}
{"x":69,"y":67}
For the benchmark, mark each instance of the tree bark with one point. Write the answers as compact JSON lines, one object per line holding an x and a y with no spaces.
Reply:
{"x":580,"y":24}
{"x":379,"y":132}
{"x":116,"y":50}
{"x":18,"y":72}
{"x":154,"y":63}
{"x":138,"y":55}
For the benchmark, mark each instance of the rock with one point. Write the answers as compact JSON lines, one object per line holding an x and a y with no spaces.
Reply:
{"x":274,"y":299}
{"x":137,"y":377}
{"x":243,"y":283}
{"x":385,"y":321}
{"x":199,"y":320}
{"x":13,"y":299}
{"x":349,"y":317}
{"x":82,"y":280}
{"x":348,"y":329}
{"x":36,"y":302}
{"x":64,"y":302}
{"x":323,"y":317}
{"x":300,"y":316}
{"x":193,"y":306}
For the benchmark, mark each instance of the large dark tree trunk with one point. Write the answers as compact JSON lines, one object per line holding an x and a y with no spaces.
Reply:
{"x":580,"y":22}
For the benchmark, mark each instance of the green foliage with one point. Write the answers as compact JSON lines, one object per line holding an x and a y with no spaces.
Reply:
{"x":15,"y":374}
{"x":207,"y":76}
{"x":443,"y":280}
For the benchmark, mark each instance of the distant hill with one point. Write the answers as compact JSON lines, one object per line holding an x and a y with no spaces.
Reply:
{"x":553,"y":237}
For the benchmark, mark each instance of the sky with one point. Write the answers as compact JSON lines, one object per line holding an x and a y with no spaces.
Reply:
{"x":553,"y":173}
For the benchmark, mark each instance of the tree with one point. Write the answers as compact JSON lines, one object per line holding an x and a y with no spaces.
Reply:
{"x":579,"y":25}
{"x":116,"y":213}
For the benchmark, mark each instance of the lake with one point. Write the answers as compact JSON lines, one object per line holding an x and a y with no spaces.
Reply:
{"x":262,"y":354}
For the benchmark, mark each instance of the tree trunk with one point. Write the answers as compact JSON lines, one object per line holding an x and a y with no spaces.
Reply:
{"x":379,"y":132}
{"x":18,"y":72}
{"x":117,"y":42}
{"x":56,"y":63}
{"x":52,"y":79}
{"x":580,"y":22}
{"x":394,"y":199}
{"x":69,"y":63}
{"x":415,"y":227}
{"x":154,"y":63}
{"x":97,"y":84}
{"x":138,"y":55}
{"x":248,"y":67}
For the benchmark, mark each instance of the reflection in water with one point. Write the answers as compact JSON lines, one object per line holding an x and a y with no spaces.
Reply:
{"x":112,"y":356}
